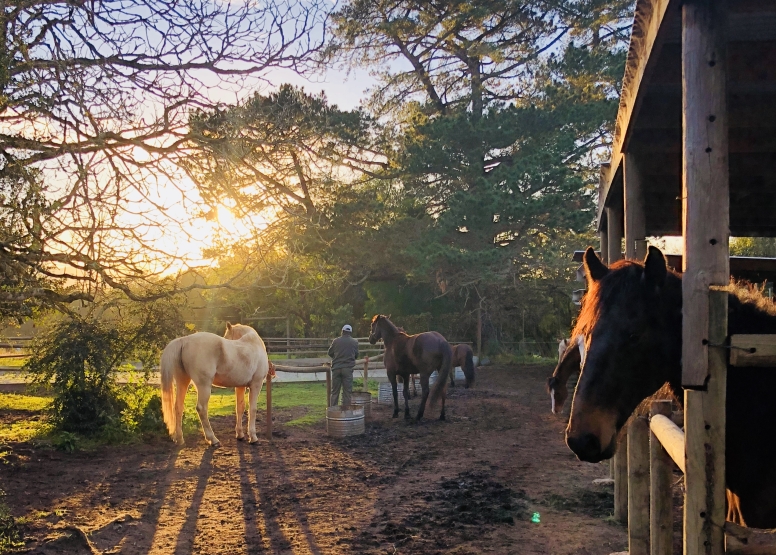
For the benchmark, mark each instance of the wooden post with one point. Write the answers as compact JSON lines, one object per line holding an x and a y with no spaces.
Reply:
{"x":328,"y":387}
{"x":706,"y":222}
{"x":269,"y":408}
{"x":288,"y":337}
{"x":661,"y":518}
{"x":366,"y":374}
{"x":621,"y":482}
{"x":479,"y":333}
{"x":704,"y":428}
{"x":614,"y":227}
{"x":635,"y":214}
{"x":603,"y":237}
{"x":638,"y":487}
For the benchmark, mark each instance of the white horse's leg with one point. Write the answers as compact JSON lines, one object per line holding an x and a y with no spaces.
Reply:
{"x":253,"y":398}
{"x":239,"y":393}
{"x":203,"y":398}
{"x":182,"y":382}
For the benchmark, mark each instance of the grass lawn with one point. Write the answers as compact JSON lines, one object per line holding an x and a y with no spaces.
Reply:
{"x":312,"y":395}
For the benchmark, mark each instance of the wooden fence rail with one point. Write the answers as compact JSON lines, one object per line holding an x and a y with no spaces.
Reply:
{"x":666,"y":447}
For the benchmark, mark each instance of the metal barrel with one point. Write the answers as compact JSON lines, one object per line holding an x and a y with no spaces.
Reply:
{"x":363,"y":399}
{"x":385,"y":393}
{"x":344,"y":421}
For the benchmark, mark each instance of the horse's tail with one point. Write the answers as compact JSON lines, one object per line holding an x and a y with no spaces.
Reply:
{"x":468,"y":368}
{"x":444,"y":372}
{"x":170,"y":364}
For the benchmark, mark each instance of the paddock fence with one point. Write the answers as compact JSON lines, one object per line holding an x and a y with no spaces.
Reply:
{"x":656,"y":445}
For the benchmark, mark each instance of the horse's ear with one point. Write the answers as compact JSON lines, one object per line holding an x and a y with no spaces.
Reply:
{"x":228,"y":326}
{"x":655,"y":269}
{"x":594,"y":268}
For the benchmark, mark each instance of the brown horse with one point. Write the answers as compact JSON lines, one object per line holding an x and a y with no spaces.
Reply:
{"x":413,"y":354}
{"x":570,"y":363}
{"x":631,"y":321}
{"x":413,"y":377}
{"x":463,"y":356}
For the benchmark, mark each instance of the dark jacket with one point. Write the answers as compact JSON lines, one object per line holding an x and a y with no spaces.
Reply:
{"x":343,"y":352}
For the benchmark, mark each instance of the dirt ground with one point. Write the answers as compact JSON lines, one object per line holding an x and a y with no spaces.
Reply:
{"x":468,"y":485}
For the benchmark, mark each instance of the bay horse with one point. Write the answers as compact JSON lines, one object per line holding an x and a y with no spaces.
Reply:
{"x":463,"y":356}
{"x":631,"y":322}
{"x":239,"y":360}
{"x":413,"y":377}
{"x":413,"y":354}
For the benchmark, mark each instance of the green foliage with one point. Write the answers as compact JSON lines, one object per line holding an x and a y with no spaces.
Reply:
{"x":79,"y":359}
{"x":753,"y":246}
{"x":10,"y":536}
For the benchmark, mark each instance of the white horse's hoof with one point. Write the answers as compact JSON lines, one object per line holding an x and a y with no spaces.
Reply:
{"x":253,"y":440}
{"x":215,"y":444}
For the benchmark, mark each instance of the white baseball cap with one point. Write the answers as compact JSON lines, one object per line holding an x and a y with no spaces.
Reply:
{"x":347,"y":327}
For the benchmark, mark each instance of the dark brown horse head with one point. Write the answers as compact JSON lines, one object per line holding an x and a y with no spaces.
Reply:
{"x":631,"y":322}
{"x":381,"y":326}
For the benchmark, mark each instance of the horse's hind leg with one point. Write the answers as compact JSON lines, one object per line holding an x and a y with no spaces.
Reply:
{"x":442,"y":416}
{"x":395,"y":395}
{"x":239,"y":394}
{"x":407,"y":399}
{"x":253,"y":399}
{"x":203,"y":398}
{"x":424,"y":398}
{"x":182,"y":382}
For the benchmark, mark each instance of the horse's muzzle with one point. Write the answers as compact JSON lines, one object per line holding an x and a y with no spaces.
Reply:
{"x":587,"y":448}
{"x":372,"y":339}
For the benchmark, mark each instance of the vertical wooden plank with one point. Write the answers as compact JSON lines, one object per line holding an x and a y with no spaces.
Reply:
{"x":269,"y":407}
{"x":661,"y":517}
{"x":635,"y":214}
{"x":704,"y":427}
{"x":614,"y":227}
{"x":328,"y":387}
{"x":366,"y":375}
{"x":604,"y":248}
{"x":621,"y":481}
{"x":706,"y":197}
{"x":706,"y":226}
{"x":638,"y":486}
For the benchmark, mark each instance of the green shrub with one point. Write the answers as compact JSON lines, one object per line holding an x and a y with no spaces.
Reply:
{"x":10,"y":536}
{"x":78,"y":359}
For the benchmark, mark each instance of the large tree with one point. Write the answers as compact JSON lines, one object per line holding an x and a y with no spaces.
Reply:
{"x":497,"y":105}
{"x":95,"y":97}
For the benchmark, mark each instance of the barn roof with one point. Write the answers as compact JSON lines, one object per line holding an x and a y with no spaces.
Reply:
{"x":649,"y":120}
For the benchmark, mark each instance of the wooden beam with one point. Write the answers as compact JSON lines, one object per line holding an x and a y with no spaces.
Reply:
{"x":603,"y":237}
{"x":749,"y":541}
{"x":646,"y":41}
{"x":706,"y":213}
{"x":661,"y":514}
{"x":671,"y":437}
{"x":635,"y":215}
{"x":704,"y":427}
{"x":753,"y":350}
{"x":638,"y":487}
{"x":621,"y":481}
{"x":614,"y":227}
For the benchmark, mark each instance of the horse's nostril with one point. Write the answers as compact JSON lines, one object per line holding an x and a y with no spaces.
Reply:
{"x":587,"y":447}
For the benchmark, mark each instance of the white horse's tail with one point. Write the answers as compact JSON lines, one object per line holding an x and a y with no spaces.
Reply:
{"x":170,"y":365}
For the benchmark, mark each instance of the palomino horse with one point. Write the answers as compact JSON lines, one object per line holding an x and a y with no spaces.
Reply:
{"x":631,"y":322}
{"x":238,"y":360}
{"x":463,"y":356}
{"x":413,"y":354}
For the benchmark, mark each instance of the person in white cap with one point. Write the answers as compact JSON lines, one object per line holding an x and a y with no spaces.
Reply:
{"x":343,"y":353}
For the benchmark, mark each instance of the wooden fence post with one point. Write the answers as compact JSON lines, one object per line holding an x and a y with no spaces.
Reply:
{"x":621,"y":481}
{"x":638,"y":487}
{"x":269,"y":408}
{"x":328,"y":387}
{"x":661,"y":518}
{"x":366,"y":374}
